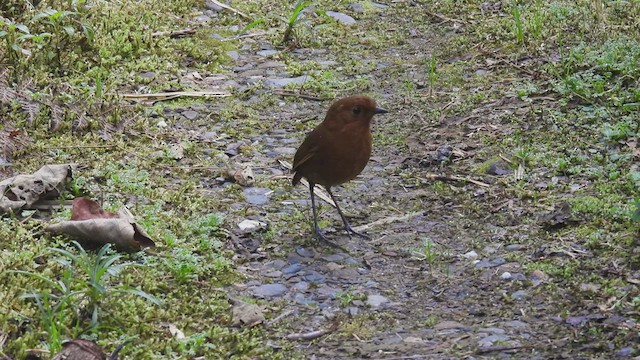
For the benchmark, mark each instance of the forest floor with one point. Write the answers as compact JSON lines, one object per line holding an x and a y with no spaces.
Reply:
{"x":502,"y":196}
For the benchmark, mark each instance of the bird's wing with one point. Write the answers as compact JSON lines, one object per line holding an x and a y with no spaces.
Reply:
{"x":307,"y":150}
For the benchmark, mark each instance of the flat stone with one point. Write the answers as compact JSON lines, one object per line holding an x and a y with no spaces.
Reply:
{"x":356,"y":7}
{"x":333,"y":258}
{"x":273,"y":274}
{"x":472,"y":255}
{"x":515,"y":247}
{"x":256,"y":195}
{"x":376,"y":300}
{"x":302,"y":300}
{"x":203,"y":18}
{"x":327,"y":291}
{"x":283,"y":150}
{"x":516,"y":324}
{"x":379,"y":6}
{"x":304,"y":252}
{"x":292,"y":269}
{"x":275,"y":264}
{"x":491,"y":339}
{"x":519,"y":295}
{"x":282,"y":82}
{"x":269,"y":290}
{"x":190,"y":114}
{"x":341,"y":18}
{"x":234,"y":55}
{"x":492,"y":330}
{"x":266,"y":53}
{"x":447,"y":325}
{"x":251,"y":225}
{"x":301,"y":286}
{"x":314,"y":277}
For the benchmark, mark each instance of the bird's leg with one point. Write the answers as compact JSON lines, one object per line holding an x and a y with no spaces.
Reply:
{"x":347,"y":226}
{"x":316,"y":228}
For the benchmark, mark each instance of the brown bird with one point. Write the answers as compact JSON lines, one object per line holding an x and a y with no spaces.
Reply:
{"x":337,"y":150}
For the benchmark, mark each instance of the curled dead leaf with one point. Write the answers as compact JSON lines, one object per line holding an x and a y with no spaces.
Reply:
{"x":246,"y":314}
{"x":25,"y":190}
{"x":242,"y":174}
{"x":79,"y":349}
{"x":94,"y":227}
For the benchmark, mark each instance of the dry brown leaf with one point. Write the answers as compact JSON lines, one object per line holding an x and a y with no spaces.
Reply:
{"x":93,"y":227}
{"x":25,"y":190}
{"x":242,"y":174}
{"x":79,"y":349}
{"x":246,"y":314}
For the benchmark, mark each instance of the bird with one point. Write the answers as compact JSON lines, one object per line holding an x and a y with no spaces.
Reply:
{"x":337,"y":151}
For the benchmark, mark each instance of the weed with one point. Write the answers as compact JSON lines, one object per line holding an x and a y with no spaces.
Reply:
{"x":427,"y":252}
{"x":294,"y":19}
{"x":83,"y":281}
{"x":518,"y":29}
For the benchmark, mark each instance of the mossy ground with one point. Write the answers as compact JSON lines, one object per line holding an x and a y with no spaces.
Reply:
{"x":549,"y":88}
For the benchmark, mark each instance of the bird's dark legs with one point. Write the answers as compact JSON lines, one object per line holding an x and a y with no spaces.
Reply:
{"x":316,"y":228}
{"x":347,"y":226}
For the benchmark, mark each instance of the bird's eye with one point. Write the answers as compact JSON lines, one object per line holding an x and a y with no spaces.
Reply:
{"x":356,"y":110}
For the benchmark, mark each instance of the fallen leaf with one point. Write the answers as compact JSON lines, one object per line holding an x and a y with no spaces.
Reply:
{"x":246,"y":314}
{"x":25,"y":190}
{"x":93,"y":227}
{"x":243,"y":175}
{"x":175,"y":332}
{"x":79,"y":349}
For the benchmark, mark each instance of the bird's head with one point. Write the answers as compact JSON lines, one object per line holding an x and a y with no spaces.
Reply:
{"x":353,"y":109}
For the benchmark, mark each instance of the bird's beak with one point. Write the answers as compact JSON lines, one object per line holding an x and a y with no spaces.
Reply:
{"x":380,"y":110}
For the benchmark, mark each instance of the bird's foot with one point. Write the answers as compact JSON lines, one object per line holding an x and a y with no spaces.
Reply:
{"x":350,"y":231}
{"x":321,"y":236}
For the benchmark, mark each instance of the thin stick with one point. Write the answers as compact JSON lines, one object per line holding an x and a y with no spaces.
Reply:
{"x":388,"y":220}
{"x":320,"y":192}
{"x":455,"y":178}
{"x":173,"y":95}
{"x":174,"y":33}
{"x":503,"y":348}
{"x":225,"y":6}
{"x":79,"y":147}
{"x":280,"y":317}
{"x":313,"y":334}
{"x":298,"y":95}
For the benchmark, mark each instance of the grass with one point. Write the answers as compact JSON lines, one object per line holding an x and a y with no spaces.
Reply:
{"x":550,"y":86}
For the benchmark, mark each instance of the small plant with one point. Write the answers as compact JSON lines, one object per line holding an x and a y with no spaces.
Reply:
{"x":519,"y":28}
{"x":294,"y":19}
{"x":427,"y":252}
{"x":83,"y":281}
{"x":432,"y":75}
{"x":346,"y":298}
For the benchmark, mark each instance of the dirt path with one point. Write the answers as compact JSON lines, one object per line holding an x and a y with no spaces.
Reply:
{"x":453,"y":279}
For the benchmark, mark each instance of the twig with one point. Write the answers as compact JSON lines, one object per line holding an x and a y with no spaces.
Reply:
{"x":280,"y":317}
{"x":225,"y":6}
{"x":455,"y":178}
{"x":322,"y":194}
{"x":442,"y":17}
{"x":388,"y":220}
{"x":503,"y":348}
{"x":298,"y":95}
{"x":79,"y":147}
{"x":174,"y":33}
{"x":253,"y":34}
{"x":314,"y":334}
{"x":173,"y":95}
